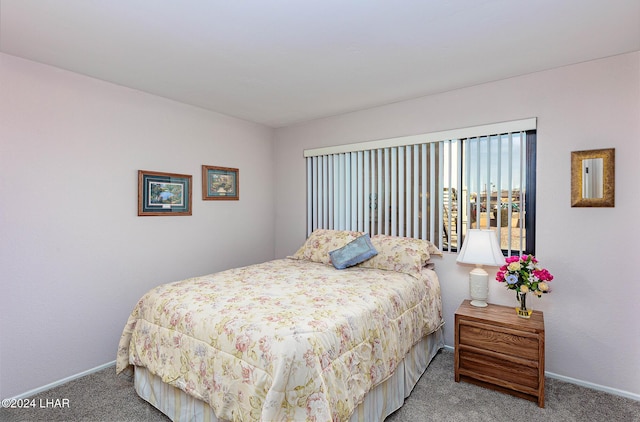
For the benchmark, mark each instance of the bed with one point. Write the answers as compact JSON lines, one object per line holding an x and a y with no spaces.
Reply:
{"x":290,"y":339}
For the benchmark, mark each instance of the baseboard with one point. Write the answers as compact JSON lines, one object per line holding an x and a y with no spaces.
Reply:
{"x":593,"y":386}
{"x":63,"y":381}
{"x":582,"y":383}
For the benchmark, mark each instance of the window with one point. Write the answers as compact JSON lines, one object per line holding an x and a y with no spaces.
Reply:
{"x":432,"y":186}
{"x":498,"y":187}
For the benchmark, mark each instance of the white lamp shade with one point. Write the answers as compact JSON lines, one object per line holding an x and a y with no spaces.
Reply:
{"x":481,"y":247}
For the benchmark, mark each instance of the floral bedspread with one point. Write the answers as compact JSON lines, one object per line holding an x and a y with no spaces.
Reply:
{"x":283,"y":340}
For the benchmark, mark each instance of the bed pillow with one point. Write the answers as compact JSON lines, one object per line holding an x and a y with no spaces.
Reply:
{"x":318,"y":245}
{"x":401,"y":254}
{"x":433,"y":249}
{"x":353,"y":253}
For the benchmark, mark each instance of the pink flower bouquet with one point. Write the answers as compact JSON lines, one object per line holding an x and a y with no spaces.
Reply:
{"x":523,"y":274}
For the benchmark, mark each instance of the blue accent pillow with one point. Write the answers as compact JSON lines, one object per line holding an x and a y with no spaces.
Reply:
{"x":354,"y":252}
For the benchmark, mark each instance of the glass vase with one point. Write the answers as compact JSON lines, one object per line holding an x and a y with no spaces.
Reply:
{"x":522,"y":310}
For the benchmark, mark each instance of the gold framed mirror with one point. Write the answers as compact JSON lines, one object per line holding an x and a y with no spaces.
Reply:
{"x":593,"y":178}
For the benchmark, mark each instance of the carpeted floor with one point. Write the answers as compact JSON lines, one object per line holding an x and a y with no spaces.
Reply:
{"x":103,"y":396}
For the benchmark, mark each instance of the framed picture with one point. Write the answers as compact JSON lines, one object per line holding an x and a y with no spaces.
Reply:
{"x":220,"y":183}
{"x":163,"y":193}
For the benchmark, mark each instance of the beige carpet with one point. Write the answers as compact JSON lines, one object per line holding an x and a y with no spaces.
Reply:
{"x":104,"y":397}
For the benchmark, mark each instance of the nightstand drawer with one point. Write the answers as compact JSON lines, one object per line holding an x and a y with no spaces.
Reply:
{"x":499,"y":371}
{"x":500,"y":340}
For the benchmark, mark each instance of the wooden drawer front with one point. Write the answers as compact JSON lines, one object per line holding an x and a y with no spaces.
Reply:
{"x":510,"y":374}
{"x":487,"y":338}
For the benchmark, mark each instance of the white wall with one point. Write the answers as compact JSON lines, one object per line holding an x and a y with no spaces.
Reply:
{"x":74,"y":255}
{"x":591,"y":316}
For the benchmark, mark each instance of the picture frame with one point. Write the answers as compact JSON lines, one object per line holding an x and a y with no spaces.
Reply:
{"x":162,"y":193}
{"x":220,"y":183}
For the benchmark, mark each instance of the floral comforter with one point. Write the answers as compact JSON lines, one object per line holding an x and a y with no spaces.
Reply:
{"x":283,"y":340}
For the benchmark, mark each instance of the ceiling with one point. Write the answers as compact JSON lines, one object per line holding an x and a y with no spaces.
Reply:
{"x":282,"y":62}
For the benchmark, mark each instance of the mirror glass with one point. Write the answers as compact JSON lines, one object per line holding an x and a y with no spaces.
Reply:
{"x":592,"y":178}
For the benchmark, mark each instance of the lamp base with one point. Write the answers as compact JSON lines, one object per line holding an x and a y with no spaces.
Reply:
{"x":479,"y":287}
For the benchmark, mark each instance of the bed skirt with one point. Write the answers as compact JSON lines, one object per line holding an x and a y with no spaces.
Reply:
{"x":380,"y":402}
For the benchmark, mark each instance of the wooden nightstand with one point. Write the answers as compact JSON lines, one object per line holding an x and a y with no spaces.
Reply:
{"x":497,"y":349}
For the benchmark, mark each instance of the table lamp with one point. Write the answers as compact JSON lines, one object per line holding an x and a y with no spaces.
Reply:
{"x":480,"y":247}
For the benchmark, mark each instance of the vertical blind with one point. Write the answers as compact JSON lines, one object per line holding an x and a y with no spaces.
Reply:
{"x":378,"y":191}
{"x":423,"y":187}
